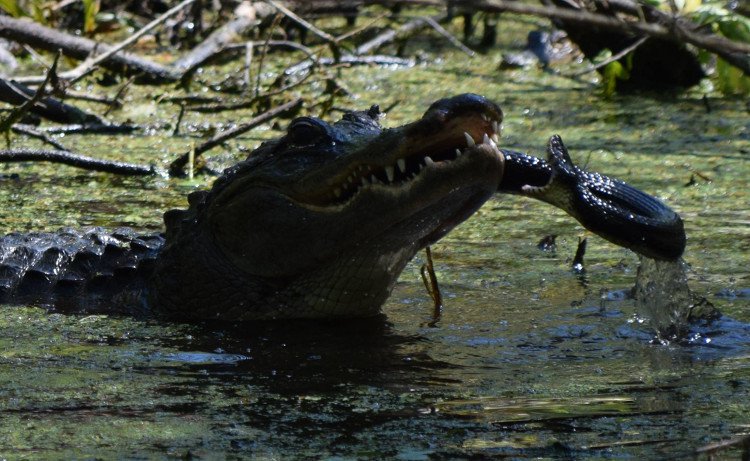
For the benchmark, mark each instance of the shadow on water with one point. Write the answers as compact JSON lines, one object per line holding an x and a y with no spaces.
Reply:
{"x":305,"y":356}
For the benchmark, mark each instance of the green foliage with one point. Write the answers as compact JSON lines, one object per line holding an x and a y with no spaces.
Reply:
{"x":12,"y":7}
{"x":90,"y":10}
{"x":728,"y":79}
{"x":731,"y":80}
{"x":613,"y":72}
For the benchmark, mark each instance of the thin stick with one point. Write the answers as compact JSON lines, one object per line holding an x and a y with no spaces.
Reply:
{"x":276,"y":21}
{"x":116,"y":100}
{"x":288,"y":13}
{"x":175,"y":168}
{"x":431,"y":284}
{"x":33,"y":133}
{"x":454,"y":41}
{"x":607,"y":61}
{"x":18,"y":112}
{"x":72,"y":159}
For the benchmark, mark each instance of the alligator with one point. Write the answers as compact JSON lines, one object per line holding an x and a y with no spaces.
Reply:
{"x":320,"y":222}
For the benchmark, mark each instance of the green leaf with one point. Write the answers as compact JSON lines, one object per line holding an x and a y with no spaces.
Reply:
{"x":12,"y":7}
{"x":612,"y":72}
{"x":731,"y":80}
{"x":90,"y":10}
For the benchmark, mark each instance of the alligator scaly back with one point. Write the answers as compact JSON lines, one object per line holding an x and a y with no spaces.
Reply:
{"x":88,"y":270}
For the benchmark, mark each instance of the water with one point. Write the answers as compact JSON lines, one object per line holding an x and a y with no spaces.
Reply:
{"x":528,"y":360}
{"x":663,"y":298}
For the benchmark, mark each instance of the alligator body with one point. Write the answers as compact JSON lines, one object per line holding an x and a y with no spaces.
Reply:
{"x":321,"y":222}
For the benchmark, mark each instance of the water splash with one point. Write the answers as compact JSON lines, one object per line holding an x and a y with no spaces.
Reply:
{"x":663,"y":299}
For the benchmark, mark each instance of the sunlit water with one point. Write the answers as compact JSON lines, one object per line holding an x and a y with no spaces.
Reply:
{"x":529,"y":360}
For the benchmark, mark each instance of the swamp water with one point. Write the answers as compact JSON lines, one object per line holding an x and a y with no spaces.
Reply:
{"x":528,"y":361}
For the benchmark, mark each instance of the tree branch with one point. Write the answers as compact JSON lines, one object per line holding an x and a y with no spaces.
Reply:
{"x":175,"y":168}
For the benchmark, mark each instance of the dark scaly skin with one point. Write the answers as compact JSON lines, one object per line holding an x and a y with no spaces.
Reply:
{"x":321,"y":222}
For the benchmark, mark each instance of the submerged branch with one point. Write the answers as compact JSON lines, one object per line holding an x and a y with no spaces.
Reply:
{"x":75,"y":160}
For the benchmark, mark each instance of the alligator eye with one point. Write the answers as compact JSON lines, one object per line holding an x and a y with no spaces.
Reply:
{"x":307,"y":130}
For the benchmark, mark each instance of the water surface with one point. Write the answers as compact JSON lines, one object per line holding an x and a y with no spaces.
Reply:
{"x":528,"y":361}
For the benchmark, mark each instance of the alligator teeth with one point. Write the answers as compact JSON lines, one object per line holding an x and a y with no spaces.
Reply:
{"x":485,"y":117}
{"x":374,"y":180}
{"x":469,"y":139}
{"x":389,"y":171}
{"x":485,"y":139}
{"x":495,"y":138}
{"x":458,"y":153}
{"x":401,"y":165}
{"x":364,"y":181}
{"x":495,"y":126}
{"x":428,"y":161}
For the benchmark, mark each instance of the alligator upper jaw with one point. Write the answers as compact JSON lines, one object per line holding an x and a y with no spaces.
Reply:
{"x":399,"y":159}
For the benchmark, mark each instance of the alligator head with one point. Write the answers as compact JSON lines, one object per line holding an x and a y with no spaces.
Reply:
{"x":321,"y":222}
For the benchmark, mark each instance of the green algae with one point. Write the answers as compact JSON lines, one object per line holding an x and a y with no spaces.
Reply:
{"x":528,"y":361}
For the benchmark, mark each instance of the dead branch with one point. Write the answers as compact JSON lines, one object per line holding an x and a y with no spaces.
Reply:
{"x":230,"y":50}
{"x":246,"y":18}
{"x":328,"y":38}
{"x":19,"y":111}
{"x":350,"y":60}
{"x":38,"y":36}
{"x":175,"y":168}
{"x":406,"y":30}
{"x":46,"y":107}
{"x":607,"y":61}
{"x":737,"y":53}
{"x":75,"y":160}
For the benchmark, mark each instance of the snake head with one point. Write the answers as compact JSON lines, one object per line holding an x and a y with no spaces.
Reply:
{"x":610,"y":208}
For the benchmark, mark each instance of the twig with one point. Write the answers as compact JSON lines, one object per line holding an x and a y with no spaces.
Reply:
{"x":288,"y":13}
{"x":404,"y":31}
{"x":115,"y":103}
{"x":18,"y":112}
{"x":454,"y":41}
{"x":351,"y":60}
{"x":607,"y":61}
{"x":78,"y":161}
{"x":577,"y":264}
{"x":258,"y":77}
{"x":431,"y":284}
{"x":33,"y":133}
{"x":175,"y":168}
{"x":360,"y":29}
